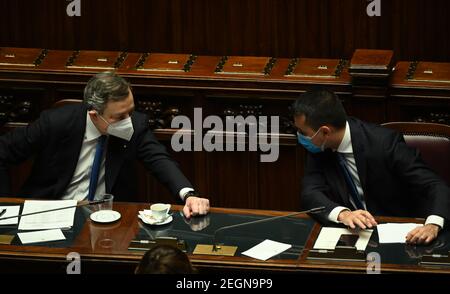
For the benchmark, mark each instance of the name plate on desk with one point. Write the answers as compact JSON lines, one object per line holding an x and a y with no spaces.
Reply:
{"x":165,"y":62}
{"x":238,"y":65}
{"x":98,"y":60}
{"x":22,"y":57}
{"x":315,"y":68}
{"x":433,"y":72}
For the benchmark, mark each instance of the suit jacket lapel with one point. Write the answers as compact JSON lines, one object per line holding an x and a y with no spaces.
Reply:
{"x":115,"y":156}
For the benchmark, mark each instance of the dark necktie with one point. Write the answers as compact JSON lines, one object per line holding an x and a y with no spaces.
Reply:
{"x":349,"y":181}
{"x":96,"y":167}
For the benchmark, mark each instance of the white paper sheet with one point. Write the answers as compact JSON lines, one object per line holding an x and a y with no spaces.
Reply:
{"x":10,"y":211}
{"x":395,"y":232}
{"x":266,"y":249}
{"x":329,"y":237}
{"x":41,"y":236}
{"x":48,"y":220}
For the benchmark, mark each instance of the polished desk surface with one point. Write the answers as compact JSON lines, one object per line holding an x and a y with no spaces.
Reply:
{"x":108,"y":243}
{"x":395,"y":257}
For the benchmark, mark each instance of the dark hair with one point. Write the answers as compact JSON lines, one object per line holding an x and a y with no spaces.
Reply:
{"x":320,"y":107}
{"x":105,"y":87}
{"x":165,"y":259}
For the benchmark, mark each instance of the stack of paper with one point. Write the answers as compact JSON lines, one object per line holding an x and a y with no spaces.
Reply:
{"x":329,"y":237}
{"x":48,"y":220}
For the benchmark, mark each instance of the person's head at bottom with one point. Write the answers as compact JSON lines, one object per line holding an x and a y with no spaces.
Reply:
{"x":165,"y":259}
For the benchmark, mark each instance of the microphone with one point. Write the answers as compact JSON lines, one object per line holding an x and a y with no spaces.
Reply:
{"x":231,"y":250}
{"x":82,"y":203}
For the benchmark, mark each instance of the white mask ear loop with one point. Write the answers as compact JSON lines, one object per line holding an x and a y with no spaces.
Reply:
{"x":99,"y":115}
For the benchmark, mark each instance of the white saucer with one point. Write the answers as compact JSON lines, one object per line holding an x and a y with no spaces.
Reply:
{"x":105,"y":216}
{"x":147,"y":218}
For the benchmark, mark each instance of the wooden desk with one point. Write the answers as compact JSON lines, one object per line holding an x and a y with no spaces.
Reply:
{"x":409,"y":253}
{"x":104,"y":248}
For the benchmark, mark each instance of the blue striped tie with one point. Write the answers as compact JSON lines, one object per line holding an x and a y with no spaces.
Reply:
{"x":349,"y":181}
{"x":96,"y":167}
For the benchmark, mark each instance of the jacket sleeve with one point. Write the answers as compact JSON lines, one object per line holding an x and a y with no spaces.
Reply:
{"x":19,"y":145}
{"x":315,"y":190}
{"x":157,"y":160}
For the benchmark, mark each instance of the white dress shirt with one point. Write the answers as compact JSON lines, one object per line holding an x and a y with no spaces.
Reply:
{"x":346,"y":149}
{"x":78,"y":187}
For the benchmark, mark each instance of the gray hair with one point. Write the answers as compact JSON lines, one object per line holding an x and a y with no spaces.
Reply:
{"x":105,"y":87}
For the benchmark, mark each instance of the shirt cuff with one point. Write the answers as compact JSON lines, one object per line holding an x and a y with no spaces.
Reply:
{"x":435,"y":220}
{"x":184,"y":191}
{"x":333,"y":216}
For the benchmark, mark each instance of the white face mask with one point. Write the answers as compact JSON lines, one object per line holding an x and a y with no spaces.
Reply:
{"x":122,"y":129}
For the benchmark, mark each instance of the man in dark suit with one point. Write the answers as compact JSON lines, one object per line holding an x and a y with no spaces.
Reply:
{"x":85,"y":150}
{"x":356,"y":169}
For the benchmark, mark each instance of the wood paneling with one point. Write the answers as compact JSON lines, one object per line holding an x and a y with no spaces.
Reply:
{"x":414,"y":29}
{"x":281,"y":178}
{"x":368,"y":87}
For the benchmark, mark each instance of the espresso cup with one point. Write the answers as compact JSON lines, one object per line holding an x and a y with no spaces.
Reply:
{"x":160,"y":211}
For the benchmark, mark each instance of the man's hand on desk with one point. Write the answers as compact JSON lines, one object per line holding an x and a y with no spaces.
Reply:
{"x":423,"y":235}
{"x":195,"y":206}
{"x":358,"y":218}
